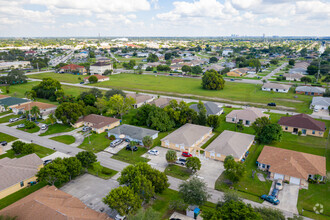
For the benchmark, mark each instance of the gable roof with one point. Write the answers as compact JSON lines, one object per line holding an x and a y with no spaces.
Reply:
{"x":133,"y":131}
{"x":310,"y":89}
{"x":324,"y":101}
{"x":51,"y":203}
{"x":139,"y":98}
{"x":211,"y":108}
{"x":231,"y":143}
{"x":187,"y":134}
{"x":72,"y":67}
{"x":250,"y":114}
{"x":13,"y":171}
{"x":9,"y":101}
{"x":276,"y":86}
{"x":293,"y":75}
{"x":161,"y":102}
{"x":302,"y":121}
{"x":292,"y":163}
{"x":40,"y":105}
{"x":98,"y":121}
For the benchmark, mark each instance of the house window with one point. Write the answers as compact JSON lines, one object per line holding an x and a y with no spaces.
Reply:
{"x":247,"y":122}
{"x":22,"y":183}
{"x":313,"y":132}
{"x":233,"y":119}
{"x":218,"y":155}
{"x":286,"y":128}
{"x":263,"y":166}
{"x":268,"y":166}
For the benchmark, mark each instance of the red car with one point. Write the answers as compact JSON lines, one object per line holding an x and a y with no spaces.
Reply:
{"x":186,"y":154}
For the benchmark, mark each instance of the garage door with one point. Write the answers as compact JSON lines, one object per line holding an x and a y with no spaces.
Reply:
{"x":278,"y":176}
{"x":295,"y":181}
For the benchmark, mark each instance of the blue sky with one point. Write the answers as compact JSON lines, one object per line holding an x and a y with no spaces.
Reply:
{"x":56,"y":18}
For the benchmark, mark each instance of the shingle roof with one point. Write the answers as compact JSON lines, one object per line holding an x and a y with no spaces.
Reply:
{"x":13,"y":171}
{"x":231,"y":143}
{"x":276,"y":86}
{"x":98,"y":121}
{"x":250,"y":114}
{"x":72,"y":67}
{"x":51,"y":203}
{"x":187,"y":134}
{"x":302,"y":121}
{"x":139,"y":98}
{"x":324,"y":101}
{"x":161,"y":102}
{"x":12,"y":101}
{"x":101,"y":64}
{"x":211,"y":108}
{"x":310,"y":89}
{"x":293,"y":75}
{"x":40,"y":105}
{"x":292,"y":163}
{"x":133,"y":131}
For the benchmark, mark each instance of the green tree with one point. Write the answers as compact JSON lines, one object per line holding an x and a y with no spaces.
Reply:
{"x":97,"y":168}
{"x":15,"y":77}
{"x":46,"y":88}
{"x":186,"y":69}
{"x":6,"y":217}
{"x":168,"y":56}
{"x":274,"y":61}
{"x":73,"y":166}
{"x":69,"y":112}
{"x":239,"y":126}
{"x":171,"y":156}
{"x":147,"y":141}
{"x":51,"y":118}
{"x":234,"y":170}
{"x":194,"y":192}
{"x":303,"y":52}
{"x":196,"y":70}
{"x":180,"y":113}
{"x":213,"y":121}
{"x":211,"y":80}
{"x":306,"y":79}
{"x":312,"y":69}
{"x":270,"y":133}
{"x":292,"y":62}
{"x":107,"y":72}
{"x":159,"y":120}
{"x":92,"y":79}
{"x":35,"y":111}
{"x":260,"y":123}
{"x":201,"y":116}
{"x":143,"y":187}
{"x":119,"y":105}
{"x":193,"y":163}
{"x":152,"y":58}
{"x":53,"y":172}
{"x":213,"y":60}
{"x":270,"y":213}
{"x":86,"y":158}
{"x":109,"y":93}
{"x":145,"y":214}
{"x":124,"y":200}
{"x":20,"y":147}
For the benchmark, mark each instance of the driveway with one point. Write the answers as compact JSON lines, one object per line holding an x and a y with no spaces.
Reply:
{"x":114,"y":150}
{"x":158,"y":162}
{"x":91,"y":190}
{"x":210,"y":171}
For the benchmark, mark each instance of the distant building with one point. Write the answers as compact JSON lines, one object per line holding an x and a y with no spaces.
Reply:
{"x":293,"y":76}
{"x":45,"y":108}
{"x":100,"y":68}
{"x":310,"y":90}
{"x":276,"y":87}
{"x":211,"y":108}
{"x":238,"y":72}
{"x":73,"y":68}
{"x":227,"y":52}
{"x":319,"y":103}
{"x":140,"y":99}
{"x":100,"y":78}
{"x":15,"y":65}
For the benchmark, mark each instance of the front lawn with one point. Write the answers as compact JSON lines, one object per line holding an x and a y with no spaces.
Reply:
{"x":105,"y":174}
{"x":65,"y":139}
{"x":5,"y":113}
{"x":57,"y":128}
{"x":39,"y":150}
{"x":98,"y":142}
{"x":6,"y":137}
{"x":176,"y":171}
{"x":131,"y":157}
{"x":31,"y":130}
{"x":6,"y":119}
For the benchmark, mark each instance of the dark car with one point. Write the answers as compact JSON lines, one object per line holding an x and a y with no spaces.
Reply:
{"x":275,"y":192}
{"x":247,"y":153}
{"x":3,"y":143}
{"x":270,"y":199}
{"x":131,"y":148}
{"x":271,"y":104}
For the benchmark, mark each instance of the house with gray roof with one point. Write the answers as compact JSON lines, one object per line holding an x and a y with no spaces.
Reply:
{"x":229,"y":143}
{"x":293,"y":76}
{"x":133,"y":133}
{"x":310,"y":90}
{"x":187,"y":138}
{"x":298,"y":71}
{"x":11,"y":102}
{"x":276,"y":87}
{"x":320,"y":103}
{"x":211,"y":108}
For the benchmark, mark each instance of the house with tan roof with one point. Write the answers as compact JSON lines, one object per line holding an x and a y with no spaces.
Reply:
{"x":140,"y":99}
{"x":304,"y":123}
{"x":73,"y":68}
{"x":51,"y":203}
{"x":98,"y":123}
{"x":17,"y":173}
{"x":45,"y":108}
{"x":246,"y":116}
{"x":187,"y":138}
{"x":292,"y":166}
{"x":229,"y":143}
{"x":161,"y":102}
{"x":276,"y":87}
{"x":238,"y":72}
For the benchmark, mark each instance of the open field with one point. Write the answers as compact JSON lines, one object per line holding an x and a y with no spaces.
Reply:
{"x":63,"y":77}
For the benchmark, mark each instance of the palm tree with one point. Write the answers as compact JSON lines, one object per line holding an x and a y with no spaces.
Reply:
{"x":29,"y":95}
{"x":35,"y":111}
{"x":52,"y":118}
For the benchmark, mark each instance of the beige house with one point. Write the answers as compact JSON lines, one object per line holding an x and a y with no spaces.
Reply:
{"x":45,"y":108}
{"x":98,"y":123}
{"x":140,"y":99}
{"x":187,"y":138}
{"x":246,"y":116}
{"x":292,"y":166}
{"x":229,"y":143}
{"x":304,"y":123}
{"x":100,"y":78}
{"x":17,"y":173}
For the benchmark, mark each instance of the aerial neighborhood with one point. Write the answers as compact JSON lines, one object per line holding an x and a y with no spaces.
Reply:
{"x":191,"y":128}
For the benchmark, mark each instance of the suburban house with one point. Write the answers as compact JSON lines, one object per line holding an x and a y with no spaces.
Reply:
{"x":293,"y":166}
{"x":298,"y":70}
{"x":100,"y":67}
{"x":133,"y":133}
{"x":161,"y":102}
{"x":211,"y":108}
{"x":98,"y":123}
{"x":318,"y":103}
{"x":187,"y":138}
{"x":246,"y":116}
{"x":276,"y":87}
{"x":238,"y":72}
{"x":45,"y":108}
{"x":73,"y":68}
{"x":140,"y":99}
{"x":293,"y":76}
{"x":310,"y":90}
{"x":304,"y":123}
{"x":215,"y":66}
{"x":14,"y":65}
{"x":17,"y":173}
{"x":229,"y":143}
{"x":11,"y":102}
{"x":100,"y":78}
{"x":51,"y":203}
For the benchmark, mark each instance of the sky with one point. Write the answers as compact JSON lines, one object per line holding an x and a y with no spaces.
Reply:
{"x":178,"y":18}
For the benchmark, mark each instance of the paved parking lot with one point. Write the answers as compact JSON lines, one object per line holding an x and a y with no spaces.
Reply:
{"x":91,"y":190}
{"x":210,"y":171}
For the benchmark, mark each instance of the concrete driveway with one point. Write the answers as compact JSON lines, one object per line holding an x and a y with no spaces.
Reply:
{"x":91,"y":190}
{"x":114,"y":150}
{"x":158,"y":162}
{"x":288,"y":198}
{"x":210,"y":171}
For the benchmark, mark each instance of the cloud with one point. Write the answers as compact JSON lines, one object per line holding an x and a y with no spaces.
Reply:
{"x":82,"y":24}
{"x":246,"y":4}
{"x":274,"y":22}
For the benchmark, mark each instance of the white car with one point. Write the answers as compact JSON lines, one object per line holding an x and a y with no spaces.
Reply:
{"x":153,"y":152}
{"x":119,"y":217}
{"x":44,"y":127}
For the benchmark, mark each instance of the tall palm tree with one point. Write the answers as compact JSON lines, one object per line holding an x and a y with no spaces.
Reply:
{"x":29,"y":95}
{"x":35,"y":111}
{"x":52,"y":118}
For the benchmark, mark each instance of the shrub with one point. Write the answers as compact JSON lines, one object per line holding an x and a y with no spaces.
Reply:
{"x":29,"y":124}
{"x":112,"y":137}
{"x":299,"y":133}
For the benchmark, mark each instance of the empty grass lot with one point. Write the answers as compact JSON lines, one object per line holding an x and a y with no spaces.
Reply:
{"x":39,"y":150}
{"x":57,"y":128}
{"x":131,"y":157}
{"x":105,"y":174}
{"x":98,"y":142}
{"x":63,"y":77}
{"x":65,"y":139}
{"x":176,"y":171}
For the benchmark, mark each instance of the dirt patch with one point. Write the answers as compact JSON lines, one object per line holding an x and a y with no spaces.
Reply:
{"x":290,"y":100}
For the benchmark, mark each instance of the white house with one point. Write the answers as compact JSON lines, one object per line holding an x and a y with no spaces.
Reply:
{"x":320,"y":103}
{"x":100,"y":67}
{"x":276,"y":87}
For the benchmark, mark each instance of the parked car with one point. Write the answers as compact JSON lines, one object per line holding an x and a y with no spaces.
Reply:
{"x":21,"y":126}
{"x":44,"y":127}
{"x":181,"y":161}
{"x":247,"y":153}
{"x":13,"y":120}
{"x":119,"y":217}
{"x":186,"y":154}
{"x":116,"y":142}
{"x":127,"y":140}
{"x":232,"y":79}
{"x":131,"y":148}
{"x":47,"y":162}
{"x":153,"y":152}
{"x":22,"y":116}
{"x":279,"y":184}
{"x":270,"y":199}
{"x":84,"y":129}
{"x":3,"y":143}
{"x":275,"y":192}
{"x":271,"y":104}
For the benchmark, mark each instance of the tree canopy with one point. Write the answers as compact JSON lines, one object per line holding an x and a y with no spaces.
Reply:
{"x":234,"y":170}
{"x":47,"y":88}
{"x":194,"y":191}
{"x":69,"y":112}
{"x":211,"y":80}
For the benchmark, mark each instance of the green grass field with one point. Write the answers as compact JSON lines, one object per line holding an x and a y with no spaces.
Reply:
{"x":105,"y":174}
{"x":6,"y":137}
{"x":98,"y":142}
{"x":39,"y":150}
{"x":31,"y":130}
{"x":131,"y":157}
{"x":176,"y":171}
{"x":65,"y":139}
{"x":57,"y":128}
{"x":63,"y":77}
{"x":6,"y":119}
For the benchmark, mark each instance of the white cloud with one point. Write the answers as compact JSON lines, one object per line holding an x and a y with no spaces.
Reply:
{"x":274,"y":22}
{"x":82,"y":24}
{"x":246,"y":4}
